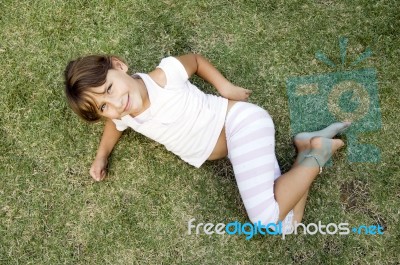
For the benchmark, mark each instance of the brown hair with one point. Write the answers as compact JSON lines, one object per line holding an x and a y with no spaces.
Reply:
{"x":80,"y":76}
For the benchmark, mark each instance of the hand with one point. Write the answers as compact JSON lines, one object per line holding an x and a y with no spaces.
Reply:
{"x":98,"y":169}
{"x":233,"y":92}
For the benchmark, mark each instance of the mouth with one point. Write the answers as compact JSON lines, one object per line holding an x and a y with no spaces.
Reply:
{"x":127,"y":104}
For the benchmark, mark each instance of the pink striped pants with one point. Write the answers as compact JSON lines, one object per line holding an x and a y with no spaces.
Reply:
{"x":250,"y":136}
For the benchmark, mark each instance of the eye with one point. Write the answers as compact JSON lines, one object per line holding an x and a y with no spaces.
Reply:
{"x":102,"y":107}
{"x":109,"y":89}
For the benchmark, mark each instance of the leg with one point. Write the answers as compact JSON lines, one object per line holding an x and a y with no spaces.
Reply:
{"x":250,"y":138}
{"x":298,"y":209}
{"x":251,"y":146}
{"x":303,"y":147}
{"x":291,"y":186}
{"x":302,"y":142}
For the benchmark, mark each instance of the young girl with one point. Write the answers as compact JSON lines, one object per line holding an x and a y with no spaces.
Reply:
{"x":166,"y":107}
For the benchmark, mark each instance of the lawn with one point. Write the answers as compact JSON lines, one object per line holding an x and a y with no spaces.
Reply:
{"x":52,"y":212}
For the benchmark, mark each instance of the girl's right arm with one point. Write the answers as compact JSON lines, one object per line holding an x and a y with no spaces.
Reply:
{"x":197,"y":64}
{"x":110,"y":137}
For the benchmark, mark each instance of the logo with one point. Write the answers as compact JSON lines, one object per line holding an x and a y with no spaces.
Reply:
{"x":316,"y":101}
{"x":249,"y":230}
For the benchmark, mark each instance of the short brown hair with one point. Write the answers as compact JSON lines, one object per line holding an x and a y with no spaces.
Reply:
{"x":81,"y":75}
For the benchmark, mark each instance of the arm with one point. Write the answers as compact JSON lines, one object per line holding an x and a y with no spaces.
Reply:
{"x":108,"y":140}
{"x":197,"y":64}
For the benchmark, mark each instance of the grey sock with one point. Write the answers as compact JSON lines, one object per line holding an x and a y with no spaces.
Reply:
{"x":328,"y":132}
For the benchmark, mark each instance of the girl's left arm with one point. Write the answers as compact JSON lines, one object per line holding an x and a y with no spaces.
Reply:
{"x":197,"y":64}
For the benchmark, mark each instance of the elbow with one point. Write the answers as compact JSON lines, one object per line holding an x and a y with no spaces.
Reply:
{"x":197,"y":58}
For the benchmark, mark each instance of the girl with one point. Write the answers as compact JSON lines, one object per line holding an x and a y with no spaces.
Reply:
{"x":166,"y":107}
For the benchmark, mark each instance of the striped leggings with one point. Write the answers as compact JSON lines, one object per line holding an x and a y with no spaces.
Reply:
{"x":250,"y":136}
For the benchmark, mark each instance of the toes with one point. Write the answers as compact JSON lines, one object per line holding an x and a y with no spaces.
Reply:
{"x":337,"y":143}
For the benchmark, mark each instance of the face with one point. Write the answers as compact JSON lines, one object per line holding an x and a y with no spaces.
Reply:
{"x":121,"y":94}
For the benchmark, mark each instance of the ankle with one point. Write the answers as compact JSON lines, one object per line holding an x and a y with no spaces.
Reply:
{"x":321,"y":148}
{"x":302,"y":144}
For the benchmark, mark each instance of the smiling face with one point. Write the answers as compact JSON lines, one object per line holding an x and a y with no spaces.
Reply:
{"x":98,"y":86}
{"x":121,"y":94}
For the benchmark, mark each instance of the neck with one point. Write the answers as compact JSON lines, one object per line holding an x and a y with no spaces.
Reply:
{"x":144,"y":93}
{"x":139,"y":83}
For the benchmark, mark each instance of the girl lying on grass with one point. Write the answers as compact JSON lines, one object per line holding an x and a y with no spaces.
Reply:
{"x":164,"y":106}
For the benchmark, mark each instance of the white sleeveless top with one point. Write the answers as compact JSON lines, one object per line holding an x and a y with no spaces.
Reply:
{"x":184,"y":119}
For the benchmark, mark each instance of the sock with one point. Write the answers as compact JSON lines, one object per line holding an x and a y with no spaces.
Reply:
{"x":328,"y":132}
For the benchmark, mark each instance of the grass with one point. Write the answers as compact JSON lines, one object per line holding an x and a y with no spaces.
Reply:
{"x":51,"y":212}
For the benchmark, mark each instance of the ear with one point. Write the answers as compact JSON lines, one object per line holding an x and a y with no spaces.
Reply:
{"x":118,"y":64}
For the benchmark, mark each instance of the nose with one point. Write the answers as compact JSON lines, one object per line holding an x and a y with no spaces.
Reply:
{"x":115,"y":102}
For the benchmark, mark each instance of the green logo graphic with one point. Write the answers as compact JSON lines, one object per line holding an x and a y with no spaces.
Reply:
{"x":316,"y":101}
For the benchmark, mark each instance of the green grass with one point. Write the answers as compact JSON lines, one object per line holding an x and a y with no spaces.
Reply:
{"x":51,"y":212}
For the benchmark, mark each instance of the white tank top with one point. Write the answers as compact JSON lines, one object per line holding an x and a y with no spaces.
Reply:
{"x":184,"y":119}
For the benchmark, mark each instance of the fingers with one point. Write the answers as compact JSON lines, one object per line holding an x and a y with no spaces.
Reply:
{"x":236,"y":93}
{"x":247,"y":94}
{"x":94,"y":174}
{"x":103,"y":174}
{"x":98,"y":170}
{"x":97,"y":174}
